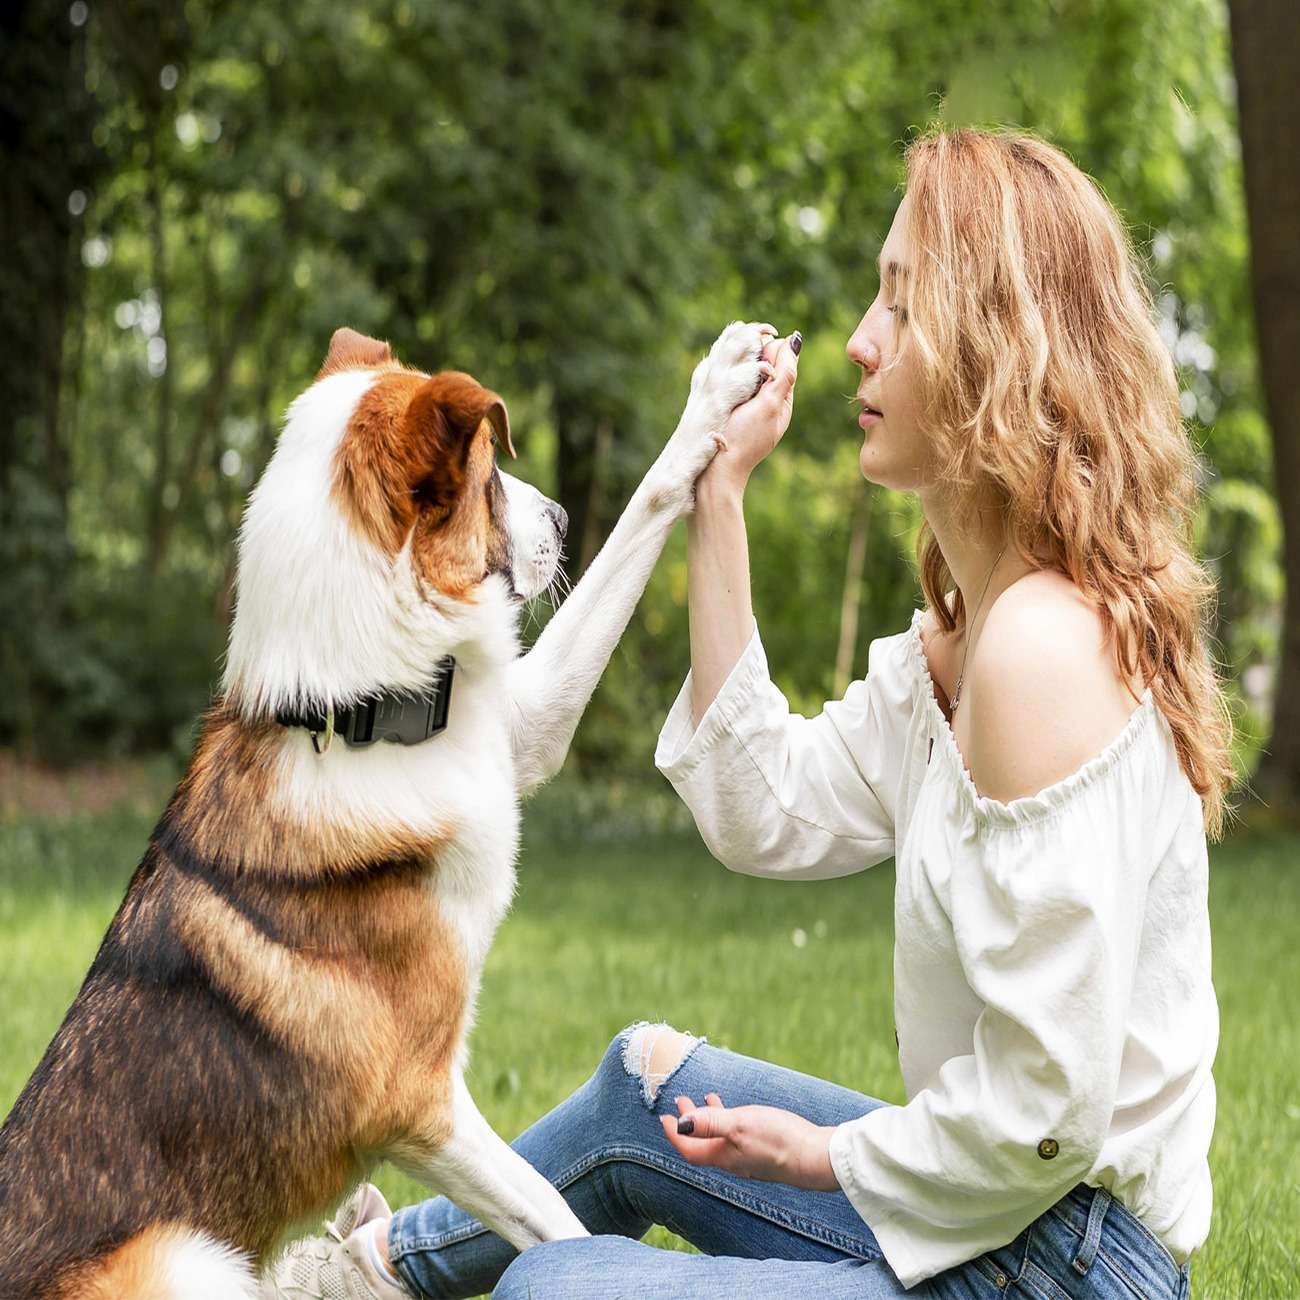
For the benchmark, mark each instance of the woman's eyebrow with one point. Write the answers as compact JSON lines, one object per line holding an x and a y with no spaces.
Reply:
{"x":891,"y":270}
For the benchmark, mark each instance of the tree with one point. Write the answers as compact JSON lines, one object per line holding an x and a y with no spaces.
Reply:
{"x":46,"y":182}
{"x":1266,"y":54}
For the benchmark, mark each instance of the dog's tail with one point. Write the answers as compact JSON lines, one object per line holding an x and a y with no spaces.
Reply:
{"x":165,"y":1262}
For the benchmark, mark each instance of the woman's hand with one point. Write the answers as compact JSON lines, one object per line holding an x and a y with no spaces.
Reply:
{"x":764,"y":1142}
{"x":756,"y":426}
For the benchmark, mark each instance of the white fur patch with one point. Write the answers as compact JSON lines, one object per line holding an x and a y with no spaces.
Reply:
{"x":533,"y":536}
{"x":198,"y":1268}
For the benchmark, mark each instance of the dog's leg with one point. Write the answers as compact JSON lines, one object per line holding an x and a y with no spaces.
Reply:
{"x":549,"y":687}
{"x":489,"y":1179}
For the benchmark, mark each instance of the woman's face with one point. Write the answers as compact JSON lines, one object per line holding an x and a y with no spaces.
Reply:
{"x":895,"y":452}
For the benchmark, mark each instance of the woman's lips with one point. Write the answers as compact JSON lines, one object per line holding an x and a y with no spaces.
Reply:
{"x":869,"y":417}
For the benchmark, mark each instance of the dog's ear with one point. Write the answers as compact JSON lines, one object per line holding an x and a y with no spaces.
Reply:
{"x":352,"y":351}
{"x":441,"y":421}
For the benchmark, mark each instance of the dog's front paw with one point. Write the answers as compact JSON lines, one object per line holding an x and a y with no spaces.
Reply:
{"x":730,"y":374}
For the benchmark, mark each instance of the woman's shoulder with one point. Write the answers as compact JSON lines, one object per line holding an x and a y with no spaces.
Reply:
{"x":1046,"y":694}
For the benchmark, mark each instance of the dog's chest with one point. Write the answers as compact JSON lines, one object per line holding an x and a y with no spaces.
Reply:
{"x":474,"y":879}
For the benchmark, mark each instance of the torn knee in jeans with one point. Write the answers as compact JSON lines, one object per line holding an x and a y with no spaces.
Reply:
{"x":652,"y":1053}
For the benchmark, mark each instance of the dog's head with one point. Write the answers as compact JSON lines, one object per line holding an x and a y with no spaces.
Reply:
{"x":382,"y":535}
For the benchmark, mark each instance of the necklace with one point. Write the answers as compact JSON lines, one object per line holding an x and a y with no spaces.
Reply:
{"x":956,"y":695}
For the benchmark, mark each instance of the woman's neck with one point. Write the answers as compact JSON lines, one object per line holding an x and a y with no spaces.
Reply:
{"x":983,"y":562}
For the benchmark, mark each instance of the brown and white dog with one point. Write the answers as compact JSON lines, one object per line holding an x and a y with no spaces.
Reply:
{"x":284,"y":995}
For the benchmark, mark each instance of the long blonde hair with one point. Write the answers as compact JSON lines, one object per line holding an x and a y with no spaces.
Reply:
{"x":1048,"y":390}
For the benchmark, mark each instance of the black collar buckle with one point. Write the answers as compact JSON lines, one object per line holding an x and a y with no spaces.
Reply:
{"x":400,"y":716}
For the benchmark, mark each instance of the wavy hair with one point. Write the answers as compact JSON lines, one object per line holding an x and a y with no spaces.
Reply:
{"x":1047,"y":390}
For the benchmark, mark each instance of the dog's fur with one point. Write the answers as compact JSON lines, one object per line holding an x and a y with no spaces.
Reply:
{"x":284,"y":994}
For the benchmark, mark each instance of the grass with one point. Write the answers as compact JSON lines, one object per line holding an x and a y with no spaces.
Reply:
{"x":621,"y":926}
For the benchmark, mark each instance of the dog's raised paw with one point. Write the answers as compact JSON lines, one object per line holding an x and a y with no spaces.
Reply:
{"x":732,"y":372}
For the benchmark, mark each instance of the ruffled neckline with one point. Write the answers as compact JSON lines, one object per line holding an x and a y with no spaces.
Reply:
{"x":1051,"y":799}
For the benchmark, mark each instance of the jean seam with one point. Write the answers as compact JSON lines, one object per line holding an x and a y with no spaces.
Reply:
{"x":1125,"y":1277}
{"x":638,"y":1155}
{"x":1150,"y":1236}
{"x":1043,"y":1283}
{"x":685,"y":1173}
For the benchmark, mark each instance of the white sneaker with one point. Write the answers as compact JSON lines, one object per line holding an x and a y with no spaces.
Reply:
{"x":337,"y":1265}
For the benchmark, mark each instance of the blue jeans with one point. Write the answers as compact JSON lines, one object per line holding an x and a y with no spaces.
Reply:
{"x":603,"y":1147}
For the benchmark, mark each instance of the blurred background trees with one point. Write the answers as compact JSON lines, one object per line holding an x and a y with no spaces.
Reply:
{"x":567,"y":200}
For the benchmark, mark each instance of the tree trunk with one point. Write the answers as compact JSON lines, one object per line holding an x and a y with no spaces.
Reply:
{"x":575,"y":472}
{"x":50,"y":166}
{"x":166,"y":383}
{"x":1266,"y":54}
{"x":851,"y":600}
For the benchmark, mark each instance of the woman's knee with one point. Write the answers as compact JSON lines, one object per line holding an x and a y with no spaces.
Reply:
{"x":649,"y":1053}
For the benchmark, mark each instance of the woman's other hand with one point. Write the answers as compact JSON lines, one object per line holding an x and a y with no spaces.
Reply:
{"x":756,"y":426}
{"x":764,"y":1142}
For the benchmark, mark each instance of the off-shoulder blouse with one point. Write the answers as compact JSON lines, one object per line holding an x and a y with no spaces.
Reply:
{"x":1053,"y":1004}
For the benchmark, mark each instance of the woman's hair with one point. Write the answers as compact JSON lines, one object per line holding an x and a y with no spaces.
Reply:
{"x":1049,"y":393}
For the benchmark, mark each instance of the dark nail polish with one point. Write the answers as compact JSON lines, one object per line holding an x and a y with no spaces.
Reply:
{"x":796,"y":342}
{"x":685,"y":1124}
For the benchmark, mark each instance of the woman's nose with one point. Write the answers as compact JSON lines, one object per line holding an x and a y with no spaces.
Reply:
{"x":861,"y":350}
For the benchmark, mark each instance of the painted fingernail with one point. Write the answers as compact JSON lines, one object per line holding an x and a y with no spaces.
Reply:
{"x":685,"y":1124}
{"x":796,"y":342}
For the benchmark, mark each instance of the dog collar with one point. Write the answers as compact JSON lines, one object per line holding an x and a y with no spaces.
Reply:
{"x":403,"y":716}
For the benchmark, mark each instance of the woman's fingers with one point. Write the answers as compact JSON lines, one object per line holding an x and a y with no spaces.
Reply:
{"x":685,"y":1105}
{"x":786,"y":364}
{"x":695,"y":1148}
{"x":705,"y":1122}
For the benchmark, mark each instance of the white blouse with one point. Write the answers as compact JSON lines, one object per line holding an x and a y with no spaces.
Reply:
{"x":1055,"y":1015}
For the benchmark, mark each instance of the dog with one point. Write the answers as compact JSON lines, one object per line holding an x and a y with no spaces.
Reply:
{"x":284,"y":995}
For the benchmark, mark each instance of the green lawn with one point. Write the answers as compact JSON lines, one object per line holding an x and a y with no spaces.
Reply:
{"x":617,"y":929}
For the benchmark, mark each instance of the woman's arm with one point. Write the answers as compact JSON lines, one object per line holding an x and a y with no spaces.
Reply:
{"x":774,"y":793}
{"x":720,"y":613}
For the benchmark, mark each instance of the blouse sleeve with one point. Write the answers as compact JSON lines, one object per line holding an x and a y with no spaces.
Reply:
{"x":1047,"y":917}
{"x":776,"y":794}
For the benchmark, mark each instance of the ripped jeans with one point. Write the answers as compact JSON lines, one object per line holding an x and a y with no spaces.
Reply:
{"x":604,"y":1148}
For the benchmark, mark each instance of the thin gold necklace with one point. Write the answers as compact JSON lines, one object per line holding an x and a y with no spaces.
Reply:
{"x":956,"y":695}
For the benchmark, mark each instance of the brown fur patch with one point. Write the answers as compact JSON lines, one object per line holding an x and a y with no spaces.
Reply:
{"x":417,"y":455}
{"x":134,"y":1271}
{"x":231,"y":809}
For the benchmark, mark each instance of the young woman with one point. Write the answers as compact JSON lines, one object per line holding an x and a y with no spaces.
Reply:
{"x":1044,"y":751}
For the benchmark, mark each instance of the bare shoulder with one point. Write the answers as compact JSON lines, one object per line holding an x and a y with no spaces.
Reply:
{"x":1046,"y":695}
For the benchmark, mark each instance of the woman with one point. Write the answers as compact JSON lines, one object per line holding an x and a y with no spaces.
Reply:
{"x":1055,"y":1016}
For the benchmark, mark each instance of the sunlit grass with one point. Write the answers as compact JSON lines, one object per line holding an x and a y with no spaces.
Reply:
{"x":610,"y":932}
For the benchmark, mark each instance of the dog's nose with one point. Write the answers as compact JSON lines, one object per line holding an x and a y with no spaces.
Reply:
{"x":560,"y":516}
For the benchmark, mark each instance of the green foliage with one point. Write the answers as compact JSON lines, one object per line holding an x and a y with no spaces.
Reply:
{"x":569,"y":201}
